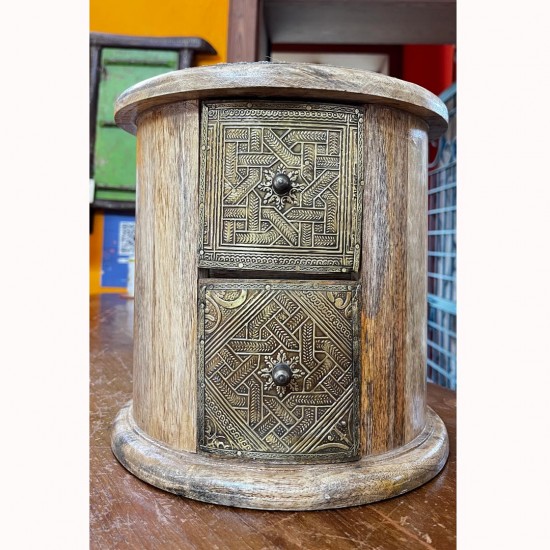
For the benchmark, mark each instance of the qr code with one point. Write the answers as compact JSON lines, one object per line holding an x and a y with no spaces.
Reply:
{"x":126,"y":237}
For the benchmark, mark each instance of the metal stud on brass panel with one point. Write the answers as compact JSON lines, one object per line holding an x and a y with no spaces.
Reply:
{"x":280,"y":392}
{"x":281,"y":184}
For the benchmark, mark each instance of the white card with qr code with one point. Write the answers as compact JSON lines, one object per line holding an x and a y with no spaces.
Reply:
{"x":126,"y":237}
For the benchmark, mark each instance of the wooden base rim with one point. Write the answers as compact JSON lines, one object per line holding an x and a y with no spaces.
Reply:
{"x":268,"y":486}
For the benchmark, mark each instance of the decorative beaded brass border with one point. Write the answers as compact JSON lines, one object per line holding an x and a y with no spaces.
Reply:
{"x":332,"y":457}
{"x":320,"y":258}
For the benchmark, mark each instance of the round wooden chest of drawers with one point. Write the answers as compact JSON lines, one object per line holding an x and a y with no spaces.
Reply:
{"x":280,"y":286}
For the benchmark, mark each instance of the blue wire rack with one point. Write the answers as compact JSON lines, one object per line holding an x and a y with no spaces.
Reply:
{"x":442,"y":254}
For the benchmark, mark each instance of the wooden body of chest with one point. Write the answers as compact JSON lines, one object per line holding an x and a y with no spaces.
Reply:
{"x":280,"y":292}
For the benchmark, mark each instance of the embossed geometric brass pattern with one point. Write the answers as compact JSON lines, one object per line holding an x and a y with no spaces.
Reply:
{"x":246,"y":327}
{"x":314,"y":227}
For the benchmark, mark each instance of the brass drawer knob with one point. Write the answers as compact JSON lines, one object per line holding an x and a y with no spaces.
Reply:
{"x":281,"y":184}
{"x":281,"y":374}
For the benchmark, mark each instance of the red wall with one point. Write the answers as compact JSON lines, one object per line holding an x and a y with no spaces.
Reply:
{"x":430,"y":66}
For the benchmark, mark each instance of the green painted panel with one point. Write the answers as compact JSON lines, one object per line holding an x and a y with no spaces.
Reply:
{"x":145,"y":57}
{"x":115,"y":159}
{"x":115,"y":150}
{"x":124,"y":68}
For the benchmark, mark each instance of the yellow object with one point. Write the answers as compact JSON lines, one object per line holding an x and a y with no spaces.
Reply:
{"x":206,"y":19}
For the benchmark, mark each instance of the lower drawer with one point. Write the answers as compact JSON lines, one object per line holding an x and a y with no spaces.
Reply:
{"x":279,"y":370}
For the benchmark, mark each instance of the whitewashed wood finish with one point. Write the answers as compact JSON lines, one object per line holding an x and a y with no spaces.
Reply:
{"x":403,"y":443}
{"x":248,"y":484}
{"x":165,"y":343}
{"x":283,"y":80}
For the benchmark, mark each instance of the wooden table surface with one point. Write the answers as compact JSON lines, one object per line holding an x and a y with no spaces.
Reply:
{"x":127,"y":513}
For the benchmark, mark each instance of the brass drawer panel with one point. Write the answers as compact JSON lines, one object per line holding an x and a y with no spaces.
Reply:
{"x":249,"y":327}
{"x":280,"y":186}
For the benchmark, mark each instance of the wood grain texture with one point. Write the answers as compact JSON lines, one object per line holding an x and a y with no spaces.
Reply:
{"x":128,"y":513}
{"x":264,"y":486}
{"x":416,"y":284}
{"x":281,"y":80}
{"x":393,"y":277}
{"x":165,"y":354}
{"x":242,"y":30}
{"x":402,"y":443}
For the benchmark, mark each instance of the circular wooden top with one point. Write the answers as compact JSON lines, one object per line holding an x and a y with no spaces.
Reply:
{"x":282,"y":81}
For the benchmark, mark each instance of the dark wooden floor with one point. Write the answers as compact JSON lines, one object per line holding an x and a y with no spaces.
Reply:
{"x":127,"y":513}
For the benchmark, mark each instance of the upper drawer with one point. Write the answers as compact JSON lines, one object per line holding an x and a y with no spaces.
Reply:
{"x":280,"y":185}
